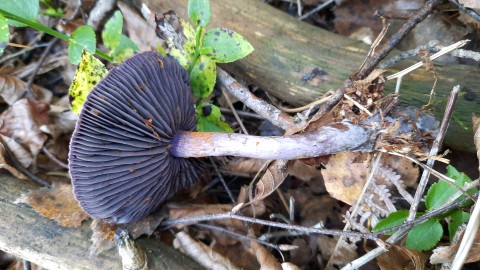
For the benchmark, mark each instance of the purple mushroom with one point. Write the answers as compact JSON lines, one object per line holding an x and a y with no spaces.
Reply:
{"x":134,"y":143}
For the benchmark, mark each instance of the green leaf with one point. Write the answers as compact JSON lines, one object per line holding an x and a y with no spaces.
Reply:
{"x":83,"y":38}
{"x":392,"y":220}
{"x":27,"y":9}
{"x":227,"y":46}
{"x":425,"y":236}
{"x":112,"y":32}
{"x":199,"y":12}
{"x":203,"y":77}
{"x":184,"y":57}
{"x":208,"y":119}
{"x":456,"y":219}
{"x":89,"y":73}
{"x":125,"y":49}
{"x":441,"y":191}
{"x":4,"y":33}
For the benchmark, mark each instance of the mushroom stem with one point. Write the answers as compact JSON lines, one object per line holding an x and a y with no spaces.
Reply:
{"x":335,"y":138}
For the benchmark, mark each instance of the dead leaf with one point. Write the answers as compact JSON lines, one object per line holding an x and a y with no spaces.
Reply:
{"x":446,"y":254}
{"x":57,"y":203}
{"x":272,"y":178}
{"x":266,"y":260}
{"x":250,"y":166}
{"x":345,"y":175}
{"x":401,"y":258}
{"x":6,"y":166}
{"x":201,"y":253}
{"x":102,"y":237}
{"x":344,"y":253}
{"x":12,"y":89}
{"x":22,"y":122}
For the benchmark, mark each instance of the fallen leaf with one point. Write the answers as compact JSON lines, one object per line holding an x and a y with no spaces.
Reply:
{"x":345,"y":175}
{"x":272,"y":178}
{"x":290,"y":266}
{"x":201,"y":253}
{"x":57,"y":203}
{"x":102,"y":236}
{"x":202,"y":210}
{"x":13,"y":89}
{"x":476,"y":134}
{"x":446,"y":254}
{"x":6,"y":166}
{"x":470,"y":3}
{"x":22,"y":122}
{"x":401,"y":258}
{"x":264,"y":257}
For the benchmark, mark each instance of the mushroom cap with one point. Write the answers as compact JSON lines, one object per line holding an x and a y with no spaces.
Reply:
{"x":119,"y":160}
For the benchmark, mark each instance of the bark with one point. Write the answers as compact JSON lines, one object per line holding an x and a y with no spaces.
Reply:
{"x":287,"y":49}
{"x":26,"y":234}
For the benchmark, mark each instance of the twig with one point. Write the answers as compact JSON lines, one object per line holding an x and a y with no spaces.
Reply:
{"x":360,"y":106}
{"x":38,"y":66}
{"x":20,"y":167}
{"x":467,"y":11}
{"x":437,"y":143}
{"x":307,"y":230}
{"x":54,"y":158}
{"x":240,"y":122}
{"x":225,"y":186}
{"x":317,"y":9}
{"x":419,"y":16}
{"x":443,"y":51}
{"x":238,"y":235}
{"x":259,"y":106}
{"x":242,"y":113}
{"x":431,"y":47}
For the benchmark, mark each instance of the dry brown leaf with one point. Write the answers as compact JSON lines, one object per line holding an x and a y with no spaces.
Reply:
{"x":250,"y":166}
{"x":13,"y":89}
{"x":102,"y":237}
{"x":446,"y":254}
{"x":344,"y":254}
{"x":57,"y":203}
{"x":22,"y":122}
{"x":401,"y":258}
{"x":202,"y":253}
{"x":4,"y":164}
{"x":272,"y":178}
{"x":345,"y":175}
{"x":266,"y":260}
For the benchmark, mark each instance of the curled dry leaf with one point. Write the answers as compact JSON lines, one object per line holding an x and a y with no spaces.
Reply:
{"x":201,"y":253}
{"x":272,"y":179}
{"x":13,"y":89}
{"x":4,"y":164}
{"x":401,"y":258}
{"x":57,"y":203}
{"x":22,"y":122}
{"x":446,"y":254}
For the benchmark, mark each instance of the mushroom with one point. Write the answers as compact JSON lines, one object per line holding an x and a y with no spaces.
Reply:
{"x":134,"y":144}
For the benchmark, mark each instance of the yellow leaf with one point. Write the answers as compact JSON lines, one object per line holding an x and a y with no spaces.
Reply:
{"x":90,"y":71}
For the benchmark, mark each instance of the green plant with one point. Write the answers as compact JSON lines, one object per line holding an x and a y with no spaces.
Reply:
{"x":21,"y":13}
{"x":426,"y":235}
{"x":200,"y":54}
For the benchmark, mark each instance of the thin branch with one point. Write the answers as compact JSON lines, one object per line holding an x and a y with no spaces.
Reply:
{"x":317,"y":9}
{"x":225,"y":186}
{"x":196,"y":219}
{"x":469,"y":12}
{"x":259,"y":106}
{"x":419,"y":16}
{"x":54,"y":158}
{"x":38,"y":66}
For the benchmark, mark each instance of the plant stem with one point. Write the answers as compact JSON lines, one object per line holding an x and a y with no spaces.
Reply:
{"x":48,"y":30}
{"x":198,"y":45}
{"x":338,"y":137}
